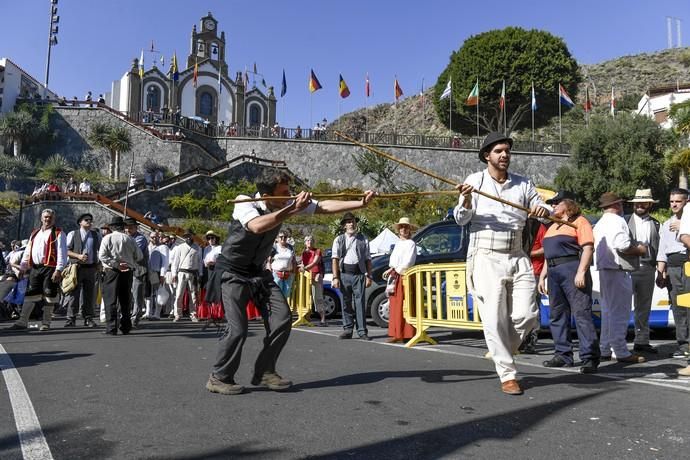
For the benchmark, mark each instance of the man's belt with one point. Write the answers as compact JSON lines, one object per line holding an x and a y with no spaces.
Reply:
{"x":190,"y":271}
{"x":561,"y":260}
{"x":352,"y":269}
{"x":676,"y":259}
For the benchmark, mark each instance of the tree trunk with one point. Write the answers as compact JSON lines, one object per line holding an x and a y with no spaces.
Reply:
{"x":17,"y":147}
{"x":683,"y":179}
{"x":117,"y":165}
{"x":112,"y":165}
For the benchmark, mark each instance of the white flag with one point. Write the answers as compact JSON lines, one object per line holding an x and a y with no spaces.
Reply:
{"x":446,"y":92}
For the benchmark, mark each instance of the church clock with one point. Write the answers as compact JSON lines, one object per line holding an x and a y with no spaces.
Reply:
{"x":209,"y":24}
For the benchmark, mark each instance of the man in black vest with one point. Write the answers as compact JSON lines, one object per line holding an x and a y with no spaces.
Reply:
{"x":644,"y":229}
{"x":82,"y":249}
{"x":241,"y":275}
{"x":352,"y":275}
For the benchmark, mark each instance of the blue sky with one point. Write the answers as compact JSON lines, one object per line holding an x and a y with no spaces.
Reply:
{"x":411,"y":39}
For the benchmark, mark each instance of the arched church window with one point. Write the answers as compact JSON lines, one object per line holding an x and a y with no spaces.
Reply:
{"x":205,"y":104}
{"x":214,"y":51}
{"x":254,"y":115}
{"x":153,"y":99}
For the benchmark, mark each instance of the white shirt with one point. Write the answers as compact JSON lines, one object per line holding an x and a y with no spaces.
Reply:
{"x":611,"y":234}
{"x":211,"y":253}
{"x":494,"y":225}
{"x":403,"y":256}
{"x":282,"y":259}
{"x":684,"y":228}
{"x":350,"y":249}
{"x":643,"y":228}
{"x":36,"y":249}
{"x":85,"y":187}
{"x":669,"y":242}
{"x":244,"y":212}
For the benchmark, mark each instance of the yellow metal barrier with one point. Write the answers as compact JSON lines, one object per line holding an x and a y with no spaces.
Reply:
{"x":300,"y":299}
{"x":683,"y":300}
{"x":436,"y":295}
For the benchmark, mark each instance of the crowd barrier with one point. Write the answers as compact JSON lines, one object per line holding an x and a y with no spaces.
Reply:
{"x":300,"y":299}
{"x":683,"y":300}
{"x":436,"y":296}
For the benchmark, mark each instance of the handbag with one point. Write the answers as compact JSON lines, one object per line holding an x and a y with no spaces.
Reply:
{"x":283,"y":275}
{"x":69,"y":278}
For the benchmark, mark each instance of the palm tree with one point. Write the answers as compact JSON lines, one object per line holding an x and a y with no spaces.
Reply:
{"x":17,"y":127}
{"x":116,"y":140}
{"x":12,"y":168}
{"x":55,"y":167}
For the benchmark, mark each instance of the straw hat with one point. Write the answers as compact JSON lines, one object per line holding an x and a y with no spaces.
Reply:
{"x":211,"y":233}
{"x":643,"y":196}
{"x":405,"y":221}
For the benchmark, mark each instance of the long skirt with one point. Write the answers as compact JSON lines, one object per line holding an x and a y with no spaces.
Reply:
{"x":398,"y":328}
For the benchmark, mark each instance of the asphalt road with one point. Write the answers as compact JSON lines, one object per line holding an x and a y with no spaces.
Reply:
{"x":143,"y":396}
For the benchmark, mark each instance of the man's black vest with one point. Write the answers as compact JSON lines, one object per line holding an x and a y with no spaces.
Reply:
{"x":244,"y":252}
{"x":76,"y":245}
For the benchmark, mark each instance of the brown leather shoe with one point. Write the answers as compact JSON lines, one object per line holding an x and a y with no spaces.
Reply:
{"x":632,"y":359}
{"x":511,"y":387}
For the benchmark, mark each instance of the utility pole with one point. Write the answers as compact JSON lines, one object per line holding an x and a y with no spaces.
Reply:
{"x":52,"y":39}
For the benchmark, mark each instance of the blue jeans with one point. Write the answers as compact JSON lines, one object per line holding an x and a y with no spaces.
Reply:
{"x":284,"y":285}
{"x":352,"y":288}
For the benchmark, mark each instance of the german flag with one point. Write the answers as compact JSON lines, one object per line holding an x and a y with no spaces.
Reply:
{"x":314,"y":84}
{"x":343,"y":89}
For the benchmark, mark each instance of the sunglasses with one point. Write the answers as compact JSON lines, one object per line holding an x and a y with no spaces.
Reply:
{"x":282,"y":237}
{"x":86,"y":220}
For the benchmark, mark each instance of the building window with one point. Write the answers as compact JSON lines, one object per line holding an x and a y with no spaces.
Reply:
{"x":254,"y":115}
{"x":206,"y":104}
{"x":200,"y":48}
{"x":153,"y":99}
{"x":214,"y":51}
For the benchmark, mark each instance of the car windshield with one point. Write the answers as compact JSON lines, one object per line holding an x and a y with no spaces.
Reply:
{"x":440,"y":240}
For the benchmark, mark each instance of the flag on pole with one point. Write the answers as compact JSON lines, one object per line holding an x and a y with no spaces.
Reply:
{"x":397,"y":90}
{"x":613,"y":103}
{"x":141,"y":65}
{"x":175,"y":72}
{"x":588,"y":103}
{"x":152,"y":48}
{"x":446,"y":92}
{"x":502,"y":100}
{"x":162,"y":61}
{"x":534,"y":99}
{"x":196,"y":71}
{"x":283,"y":85}
{"x":367,"y":86}
{"x":564,"y":97}
{"x":314,"y":84}
{"x":255,"y":67}
{"x":473,"y":98}
{"x":343,"y":89}
{"x":263,"y":81}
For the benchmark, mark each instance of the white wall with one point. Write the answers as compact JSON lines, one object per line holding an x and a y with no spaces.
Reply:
{"x":188,"y":98}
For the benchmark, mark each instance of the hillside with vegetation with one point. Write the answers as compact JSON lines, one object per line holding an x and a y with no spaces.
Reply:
{"x":630,"y":75}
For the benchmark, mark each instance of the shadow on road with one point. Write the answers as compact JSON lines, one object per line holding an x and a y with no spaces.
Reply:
{"x":40,"y":357}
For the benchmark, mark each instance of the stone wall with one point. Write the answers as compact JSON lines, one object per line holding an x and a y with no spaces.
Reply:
{"x":333,"y":162}
{"x":312,"y":161}
{"x":67,"y":213}
{"x":73,"y":125}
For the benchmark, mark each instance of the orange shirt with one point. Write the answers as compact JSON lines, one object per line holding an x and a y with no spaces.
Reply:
{"x":562,"y":240}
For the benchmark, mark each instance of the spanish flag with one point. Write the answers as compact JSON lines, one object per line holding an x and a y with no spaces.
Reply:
{"x":398,"y":90}
{"x":344,"y":90}
{"x":314,"y":84}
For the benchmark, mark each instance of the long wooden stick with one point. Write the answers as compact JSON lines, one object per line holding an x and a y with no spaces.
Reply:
{"x":349,"y":195}
{"x":443,"y":179}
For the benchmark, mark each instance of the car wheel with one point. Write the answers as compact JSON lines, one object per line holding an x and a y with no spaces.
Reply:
{"x":379,"y":310}
{"x":331,"y":303}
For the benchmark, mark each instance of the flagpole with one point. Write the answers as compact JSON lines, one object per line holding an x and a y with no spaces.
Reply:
{"x":560,"y":123}
{"x":450,"y":106}
{"x":532,"y":104}
{"x":423,"y":106}
{"x":477,"y":110}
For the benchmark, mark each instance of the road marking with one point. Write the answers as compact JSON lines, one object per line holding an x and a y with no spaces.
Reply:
{"x":679,"y":385}
{"x":31,"y":439}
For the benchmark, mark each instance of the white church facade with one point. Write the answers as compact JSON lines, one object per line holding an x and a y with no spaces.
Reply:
{"x":201,"y":88}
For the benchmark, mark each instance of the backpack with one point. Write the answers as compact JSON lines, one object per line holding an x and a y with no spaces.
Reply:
{"x":69,"y":279}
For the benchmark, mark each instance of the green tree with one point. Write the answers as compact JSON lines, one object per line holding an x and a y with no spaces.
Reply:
{"x":12,"y":168}
{"x":116,"y":140}
{"x":188,"y":203}
{"x":18,"y":127}
{"x":680,"y":158}
{"x":618,"y":154}
{"x":381,"y":170}
{"x":521,"y":57}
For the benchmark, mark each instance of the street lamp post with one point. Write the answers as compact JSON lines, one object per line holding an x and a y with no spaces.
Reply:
{"x":52,"y":39}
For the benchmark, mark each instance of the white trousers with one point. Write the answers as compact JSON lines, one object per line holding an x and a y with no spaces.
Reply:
{"x":616,"y":294}
{"x":185,"y":281}
{"x":503,"y":290}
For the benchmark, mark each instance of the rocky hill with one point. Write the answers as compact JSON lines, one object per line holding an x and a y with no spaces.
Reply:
{"x":631,"y":76}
